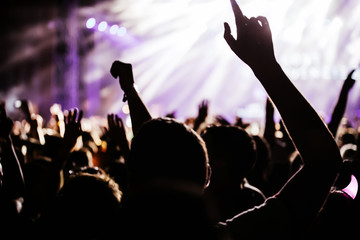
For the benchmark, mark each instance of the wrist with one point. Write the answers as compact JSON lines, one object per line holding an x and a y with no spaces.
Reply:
{"x":266,"y":70}
{"x":129,"y":89}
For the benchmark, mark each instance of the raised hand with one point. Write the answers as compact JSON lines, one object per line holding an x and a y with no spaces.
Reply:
{"x":138,"y":111}
{"x":203,"y":109}
{"x":125,"y":74}
{"x":240,"y":123}
{"x":72,"y":127}
{"x":202,"y":114}
{"x":222,"y":120}
{"x":72,"y":119}
{"x":349,"y":81}
{"x":117,"y":133}
{"x":254,"y":43}
{"x":340,"y":106}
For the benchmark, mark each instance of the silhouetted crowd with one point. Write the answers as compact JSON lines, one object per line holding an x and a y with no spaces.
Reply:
{"x":69,"y":177}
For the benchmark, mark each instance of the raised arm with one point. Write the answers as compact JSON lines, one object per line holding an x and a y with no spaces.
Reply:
{"x":138,"y":110}
{"x":117,"y":134}
{"x":306,"y":191}
{"x":340,"y":106}
{"x":269,"y":130}
{"x":202,"y":114}
{"x":72,"y":132}
{"x":11,"y":176}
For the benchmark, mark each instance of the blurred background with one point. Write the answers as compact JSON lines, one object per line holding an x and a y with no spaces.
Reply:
{"x":60,"y":52}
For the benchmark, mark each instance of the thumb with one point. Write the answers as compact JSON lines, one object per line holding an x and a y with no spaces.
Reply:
{"x":228,"y":37}
{"x":349,"y":76}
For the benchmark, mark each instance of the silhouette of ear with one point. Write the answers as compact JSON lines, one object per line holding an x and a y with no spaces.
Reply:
{"x":208,"y":175}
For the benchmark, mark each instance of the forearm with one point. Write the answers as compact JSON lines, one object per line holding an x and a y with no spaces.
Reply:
{"x":307,"y":130}
{"x":338,"y":111}
{"x":138,"y":110}
{"x":13,"y":179}
{"x":269,"y":131}
{"x":307,"y":190}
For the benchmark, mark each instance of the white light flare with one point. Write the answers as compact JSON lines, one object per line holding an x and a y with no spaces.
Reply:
{"x":178,"y":42}
{"x":102,"y":26}
{"x":90,"y":23}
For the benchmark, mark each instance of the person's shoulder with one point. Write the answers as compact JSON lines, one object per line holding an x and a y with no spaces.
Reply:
{"x":272,"y":217}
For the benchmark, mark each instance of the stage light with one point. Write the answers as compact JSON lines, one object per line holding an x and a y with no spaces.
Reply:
{"x":114,"y":29}
{"x":90,"y":23}
{"x":316,"y":43}
{"x":126,"y":109}
{"x":128,"y":122}
{"x":17,"y":103}
{"x":122,"y":31}
{"x":102,"y":26}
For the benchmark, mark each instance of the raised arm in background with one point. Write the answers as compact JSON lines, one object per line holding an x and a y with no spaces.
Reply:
{"x":306,"y":191}
{"x":202,"y":114}
{"x":72,"y":132}
{"x":117,"y":134}
{"x":340,"y":106}
{"x":138,"y":110}
{"x":269,"y":130}
{"x":11,"y":176}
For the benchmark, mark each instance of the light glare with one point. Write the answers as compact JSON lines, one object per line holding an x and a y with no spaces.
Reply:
{"x":102,"y":26}
{"x":122,"y":31}
{"x":90,"y":23}
{"x":114,"y":28}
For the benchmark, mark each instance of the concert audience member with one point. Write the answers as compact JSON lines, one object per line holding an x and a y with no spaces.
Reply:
{"x":232,"y":154}
{"x":290,"y":212}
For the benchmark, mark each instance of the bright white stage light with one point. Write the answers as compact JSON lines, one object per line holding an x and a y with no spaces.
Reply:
{"x":121,"y":31}
{"x":179,"y":56}
{"x":114,"y":29}
{"x":102,"y":26}
{"x":90,"y":23}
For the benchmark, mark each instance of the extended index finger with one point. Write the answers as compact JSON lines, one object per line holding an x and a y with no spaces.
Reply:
{"x":239,"y":16}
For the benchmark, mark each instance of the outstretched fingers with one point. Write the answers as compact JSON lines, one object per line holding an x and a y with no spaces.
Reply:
{"x":73,"y":116}
{"x":80,"y":115}
{"x":119,"y":121}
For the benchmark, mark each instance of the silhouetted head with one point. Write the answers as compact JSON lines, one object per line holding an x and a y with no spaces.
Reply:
{"x":165,"y":149}
{"x":232,"y":151}
{"x":78,"y":159}
{"x":87,"y":207}
{"x":91,"y":189}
